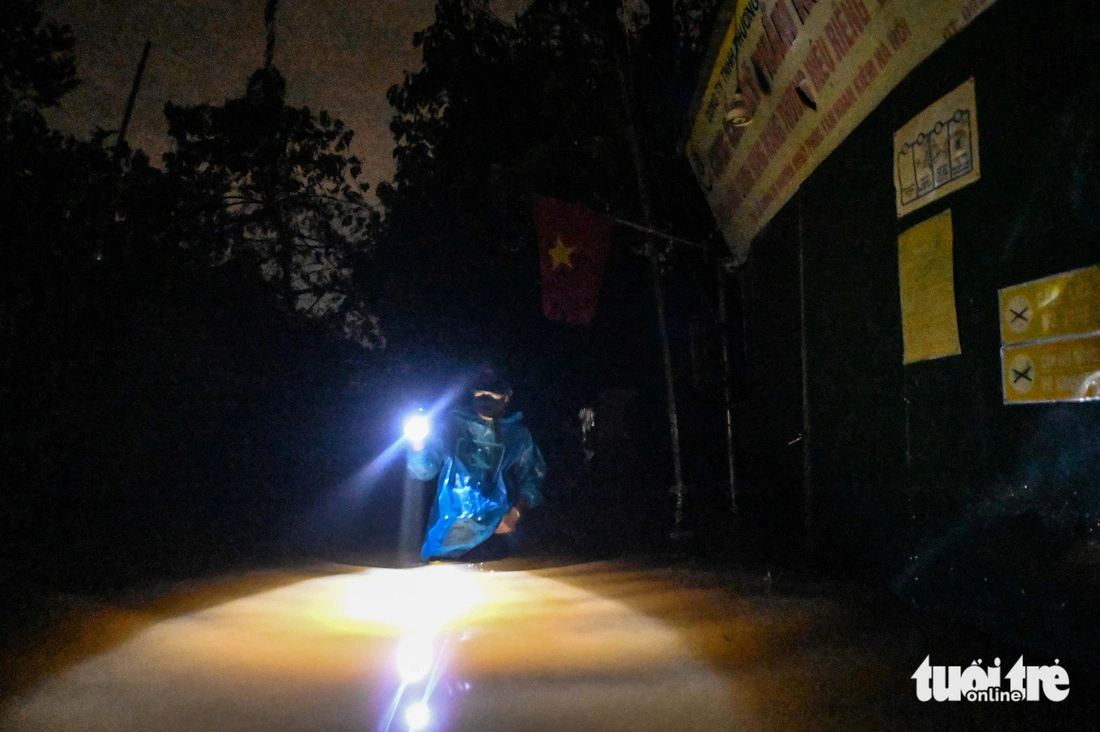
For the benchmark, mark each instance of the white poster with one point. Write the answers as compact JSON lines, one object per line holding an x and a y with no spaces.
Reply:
{"x":936,"y":153}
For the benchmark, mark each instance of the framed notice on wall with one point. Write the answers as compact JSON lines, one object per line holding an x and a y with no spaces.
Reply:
{"x":936,"y":153}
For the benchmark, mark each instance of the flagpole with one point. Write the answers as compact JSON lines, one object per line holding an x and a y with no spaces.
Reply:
{"x":656,"y":232}
{"x":658,"y":294}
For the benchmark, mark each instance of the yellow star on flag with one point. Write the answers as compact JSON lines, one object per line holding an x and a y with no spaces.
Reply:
{"x":560,"y":255}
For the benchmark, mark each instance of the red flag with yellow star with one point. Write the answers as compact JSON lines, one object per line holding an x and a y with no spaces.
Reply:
{"x":573,"y":246}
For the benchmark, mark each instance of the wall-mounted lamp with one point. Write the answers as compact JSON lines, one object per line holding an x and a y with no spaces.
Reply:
{"x":738,"y":113}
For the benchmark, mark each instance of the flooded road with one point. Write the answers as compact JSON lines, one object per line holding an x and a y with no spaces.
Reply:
{"x":607,"y":646}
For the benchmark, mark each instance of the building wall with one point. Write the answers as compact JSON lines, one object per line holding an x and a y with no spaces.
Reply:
{"x":904,"y":457}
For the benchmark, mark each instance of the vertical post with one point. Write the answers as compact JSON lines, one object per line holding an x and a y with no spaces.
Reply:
{"x":723,"y":324}
{"x":743,"y":286}
{"x":670,"y":391}
{"x":270,"y":10}
{"x":658,"y":294}
{"x":133,"y":94}
{"x":807,"y":484}
{"x":417,"y":499}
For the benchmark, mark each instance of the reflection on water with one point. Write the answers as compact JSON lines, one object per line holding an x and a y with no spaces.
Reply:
{"x":421,"y":600}
{"x":426,"y":692}
{"x":423,"y":603}
{"x":415,"y":656}
{"x":417,"y":716}
{"x":434,"y":647}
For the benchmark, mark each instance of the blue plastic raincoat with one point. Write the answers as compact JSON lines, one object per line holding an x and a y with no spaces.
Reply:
{"x":484,"y":469}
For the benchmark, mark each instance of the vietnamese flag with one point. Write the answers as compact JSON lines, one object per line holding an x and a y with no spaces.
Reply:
{"x":573,"y":246}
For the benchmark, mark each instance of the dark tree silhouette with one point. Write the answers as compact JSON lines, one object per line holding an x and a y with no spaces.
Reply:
{"x":76,"y":219}
{"x":276,"y":187}
{"x":36,"y":64}
{"x":540,"y":104}
{"x":36,"y":69}
{"x":500,"y":113}
{"x":155,"y":395}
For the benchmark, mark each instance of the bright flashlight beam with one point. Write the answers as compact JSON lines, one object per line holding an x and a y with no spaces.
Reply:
{"x":417,"y":428}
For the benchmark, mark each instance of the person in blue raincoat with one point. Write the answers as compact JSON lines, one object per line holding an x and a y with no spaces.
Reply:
{"x":490,"y":473}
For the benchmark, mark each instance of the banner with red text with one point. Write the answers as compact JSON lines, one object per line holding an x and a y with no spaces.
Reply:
{"x":806,"y":72}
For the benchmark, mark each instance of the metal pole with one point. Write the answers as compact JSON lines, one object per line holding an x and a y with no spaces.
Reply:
{"x":658,"y":294}
{"x":133,"y":94}
{"x":661,"y":234}
{"x":723,"y":324}
{"x":673,"y":420}
{"x":807,"y":485}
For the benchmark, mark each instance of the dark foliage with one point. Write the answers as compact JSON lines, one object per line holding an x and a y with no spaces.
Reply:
{"x":36,"y":64}
{"x":499,"y":114}
{"x":168,"y":406}
{"x":275,"y":186}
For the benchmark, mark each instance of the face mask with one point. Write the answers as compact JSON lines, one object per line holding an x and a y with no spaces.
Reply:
{"x":490,"y":406}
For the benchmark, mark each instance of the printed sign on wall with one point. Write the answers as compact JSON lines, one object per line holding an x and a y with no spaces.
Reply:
{"x":936,"y":153}
{"x":1050,"y":331}
{"x":1057,"y":370}
{"x":1061,"y":305}
{"x":926,"y":269}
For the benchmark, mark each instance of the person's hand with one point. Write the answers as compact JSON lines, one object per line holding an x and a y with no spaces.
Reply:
{"x":508,"y":524}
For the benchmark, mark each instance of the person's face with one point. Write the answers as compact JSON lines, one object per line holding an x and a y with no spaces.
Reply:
{"x":491,"y":404}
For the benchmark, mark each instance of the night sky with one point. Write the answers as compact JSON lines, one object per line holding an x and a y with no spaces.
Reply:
{"x":339,"y":55}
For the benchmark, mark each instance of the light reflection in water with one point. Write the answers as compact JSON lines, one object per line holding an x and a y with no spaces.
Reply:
{"x":419,"y":600}
{"x":426,"y":703}
{"x":421,"y":603}
{"x":414,"y":657}
{"x":418,"y":716}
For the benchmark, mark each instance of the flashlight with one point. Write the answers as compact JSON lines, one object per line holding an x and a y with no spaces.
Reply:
{"x":417,"y":428}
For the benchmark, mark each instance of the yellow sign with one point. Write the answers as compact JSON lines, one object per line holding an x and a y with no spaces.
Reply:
{"x":927,"y":273}
{"x":1062,"y":305}
{"x":1061,"y":370}
{"x":793,"y":78}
